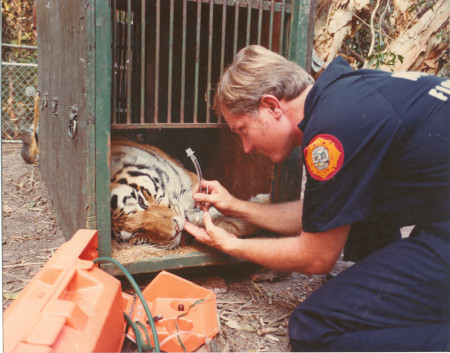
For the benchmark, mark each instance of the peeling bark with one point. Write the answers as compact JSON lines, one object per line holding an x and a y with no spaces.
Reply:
{"x":419,"y":35}
{"x":425,"y":43}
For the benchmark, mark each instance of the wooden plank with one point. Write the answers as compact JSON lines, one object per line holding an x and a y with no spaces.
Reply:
{"x":91,"y":211}
{"x":62,"y":74}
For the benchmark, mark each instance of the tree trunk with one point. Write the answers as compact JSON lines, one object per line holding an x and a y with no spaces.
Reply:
{"x":418,"y":33}
{"x":422,"y":45}
{"x":334,"y":24}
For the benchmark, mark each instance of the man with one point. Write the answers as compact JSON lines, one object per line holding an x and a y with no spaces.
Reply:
{"x":376,"y":150}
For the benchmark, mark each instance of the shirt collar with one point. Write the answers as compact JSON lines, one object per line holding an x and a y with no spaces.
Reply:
{"x":333,"y":72}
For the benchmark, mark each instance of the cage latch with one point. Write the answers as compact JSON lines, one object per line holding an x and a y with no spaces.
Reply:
{"x":54,"y":104}
{"x":44,"y":103}
{"x":73,"y":114}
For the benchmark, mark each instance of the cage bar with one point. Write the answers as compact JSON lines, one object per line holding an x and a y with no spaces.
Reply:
{"x":197,"y":59}
{"x":169,"y":94}
{"x":260,"y":16}
{"x":210,"y":39}
{"x":128,"y":63}
{"x":249,"y":21}
{"x":183,"y":62}
{"x":281,"y":42}
{"x":115,"y":63}
{"x":158,"y":43}
{"x":272,"y":7}
{"x":143,"y":44}
{"x":223,"y":33}
{"x":236,"y":27}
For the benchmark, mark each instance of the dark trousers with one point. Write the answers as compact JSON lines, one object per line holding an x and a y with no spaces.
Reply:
{"x":396,"y":299}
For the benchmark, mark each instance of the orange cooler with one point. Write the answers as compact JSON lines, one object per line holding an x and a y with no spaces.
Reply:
{"x":69,"y":306}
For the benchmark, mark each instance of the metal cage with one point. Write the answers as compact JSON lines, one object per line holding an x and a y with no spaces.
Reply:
{"x":150,"y":66}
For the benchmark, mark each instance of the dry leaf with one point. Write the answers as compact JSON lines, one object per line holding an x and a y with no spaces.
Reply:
{"x":233,"y":324}
{"x":7,"y":209}
{"x":266,"y":330}
{"x":273,"y":338}
{"x":11,"y":296}
{"x":248,"y":328}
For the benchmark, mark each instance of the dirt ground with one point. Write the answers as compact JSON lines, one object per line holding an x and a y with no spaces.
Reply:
{"x":253,"y":304}
{"x":30,"y":233}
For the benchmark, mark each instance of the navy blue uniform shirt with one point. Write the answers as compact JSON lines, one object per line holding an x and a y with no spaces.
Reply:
{"x":376,"y":150}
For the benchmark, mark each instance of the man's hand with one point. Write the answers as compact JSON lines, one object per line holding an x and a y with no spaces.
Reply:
{"x":217,"y":195}
{"x":212,"y":235}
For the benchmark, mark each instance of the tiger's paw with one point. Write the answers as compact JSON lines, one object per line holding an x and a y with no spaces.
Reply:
{"x":234,"y":225}
{"x":138,"y":240}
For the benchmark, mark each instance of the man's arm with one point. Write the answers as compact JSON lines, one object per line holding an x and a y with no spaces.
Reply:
{"x":283,"y":218}
{"x":312,"y":253}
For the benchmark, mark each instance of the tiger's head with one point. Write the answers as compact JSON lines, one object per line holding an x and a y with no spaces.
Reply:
{"x":151,"y":193}
{"x":138,"y":219}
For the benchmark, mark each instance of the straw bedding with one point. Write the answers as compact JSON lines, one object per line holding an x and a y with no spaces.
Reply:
{"x":128,"y":253}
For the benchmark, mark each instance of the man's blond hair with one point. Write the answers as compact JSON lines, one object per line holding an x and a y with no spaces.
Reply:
{"x":257,"y":71}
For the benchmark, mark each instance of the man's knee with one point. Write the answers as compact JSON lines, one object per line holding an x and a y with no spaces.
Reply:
{"x":315,"y":329}
{"x":308,"y":330}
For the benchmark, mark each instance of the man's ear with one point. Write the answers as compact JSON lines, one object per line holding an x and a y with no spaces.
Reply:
{"x":271,"y":102}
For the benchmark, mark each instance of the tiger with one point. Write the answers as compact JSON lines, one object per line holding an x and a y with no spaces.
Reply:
{"x":151,"y":198}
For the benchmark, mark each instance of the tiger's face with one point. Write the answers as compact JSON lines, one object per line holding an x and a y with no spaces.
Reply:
{"x":150,"y":196}
{"x":136,"y":218}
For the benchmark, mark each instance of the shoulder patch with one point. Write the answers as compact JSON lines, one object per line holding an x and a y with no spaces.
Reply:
{"x":324,"y":157}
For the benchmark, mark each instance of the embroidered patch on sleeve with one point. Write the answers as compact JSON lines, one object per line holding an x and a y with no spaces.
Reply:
{"x":324,"y":157}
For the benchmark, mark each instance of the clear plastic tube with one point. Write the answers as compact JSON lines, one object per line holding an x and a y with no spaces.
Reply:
{"x":191,"y":155}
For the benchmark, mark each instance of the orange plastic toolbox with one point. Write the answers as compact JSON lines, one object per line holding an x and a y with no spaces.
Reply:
{"x":185,"y":313}
{"x":69,"y":306}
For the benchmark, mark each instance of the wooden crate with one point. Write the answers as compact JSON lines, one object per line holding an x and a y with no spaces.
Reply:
{"x":147,"y":68}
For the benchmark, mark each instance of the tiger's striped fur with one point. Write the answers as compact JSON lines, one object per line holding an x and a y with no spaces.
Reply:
{"x":151,"y":196}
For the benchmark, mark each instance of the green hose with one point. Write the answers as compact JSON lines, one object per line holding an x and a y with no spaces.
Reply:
{"x":136,"y":331}
{"x":141,"y":297}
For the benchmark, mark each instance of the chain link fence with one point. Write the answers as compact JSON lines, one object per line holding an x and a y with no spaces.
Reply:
{"x":19,"y":84}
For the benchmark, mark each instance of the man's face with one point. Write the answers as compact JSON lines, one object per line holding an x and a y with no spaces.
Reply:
{"x":262,"y":133}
